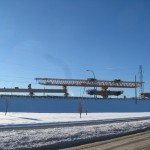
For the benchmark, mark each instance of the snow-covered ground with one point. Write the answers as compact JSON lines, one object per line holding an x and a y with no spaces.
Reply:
{"x":22,"y":119}
{"x":60,"y":136}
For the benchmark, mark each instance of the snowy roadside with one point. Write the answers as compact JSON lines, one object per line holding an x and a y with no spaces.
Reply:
{"x":37,"y":119}
{"x":60,"y":137}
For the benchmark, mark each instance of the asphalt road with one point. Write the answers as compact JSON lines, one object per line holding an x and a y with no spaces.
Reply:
{"x":139,"y":141}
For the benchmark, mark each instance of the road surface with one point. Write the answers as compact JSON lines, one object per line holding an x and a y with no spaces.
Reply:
{"x":139,"y":141}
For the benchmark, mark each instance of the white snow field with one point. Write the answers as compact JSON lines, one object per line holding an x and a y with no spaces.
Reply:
{"x":57,"y":137}
{"x":22,"y":119}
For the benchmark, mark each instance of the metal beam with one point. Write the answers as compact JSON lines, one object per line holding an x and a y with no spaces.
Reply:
{"x":23,"y":90}
{"x":87,"y":83}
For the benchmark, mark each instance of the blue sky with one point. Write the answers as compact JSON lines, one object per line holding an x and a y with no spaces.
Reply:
{"x":63,"y":38}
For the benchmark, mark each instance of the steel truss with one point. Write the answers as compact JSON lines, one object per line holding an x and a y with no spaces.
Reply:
{"x":87,"y":83}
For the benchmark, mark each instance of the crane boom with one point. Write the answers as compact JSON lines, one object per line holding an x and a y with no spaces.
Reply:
{"x":91,"y":82}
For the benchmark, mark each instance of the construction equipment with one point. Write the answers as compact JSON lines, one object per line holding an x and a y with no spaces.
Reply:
{"x":32,"y":91}
{"x":87,"y":83}
{"x":145,"y":95}
{"x":104,"y":93}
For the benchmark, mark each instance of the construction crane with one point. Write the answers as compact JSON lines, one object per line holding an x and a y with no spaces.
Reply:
{"x":90,"y":82}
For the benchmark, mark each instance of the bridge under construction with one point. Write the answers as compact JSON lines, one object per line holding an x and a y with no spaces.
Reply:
{"x":65,"y":83}
{"x":91,"y":82}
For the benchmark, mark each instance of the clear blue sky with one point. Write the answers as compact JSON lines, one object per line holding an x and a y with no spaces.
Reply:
{"x":63,"y":38}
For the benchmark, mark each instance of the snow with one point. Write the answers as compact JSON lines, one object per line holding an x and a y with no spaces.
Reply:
{"x":53,"y":137}
{"x":22,"y":119}
{"x":58,"y":112}
{"x":59,"y":136}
